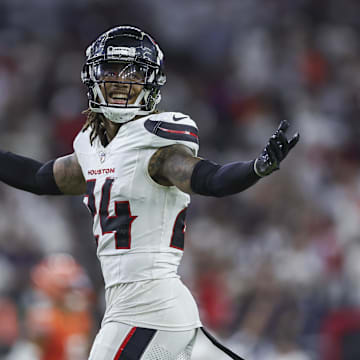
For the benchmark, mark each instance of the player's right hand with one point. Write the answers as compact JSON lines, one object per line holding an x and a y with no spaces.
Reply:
{"x":275,"y":151}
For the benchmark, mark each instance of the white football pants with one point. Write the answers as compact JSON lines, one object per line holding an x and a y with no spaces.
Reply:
{"x":118,"y":341}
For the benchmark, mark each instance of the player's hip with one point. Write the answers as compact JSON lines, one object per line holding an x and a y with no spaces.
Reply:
{"x":164,"y":304}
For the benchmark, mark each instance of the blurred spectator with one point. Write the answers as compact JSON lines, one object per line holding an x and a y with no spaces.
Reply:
{"x":58,"y":319}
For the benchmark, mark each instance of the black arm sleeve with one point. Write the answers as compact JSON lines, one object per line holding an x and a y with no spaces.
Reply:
{"x":27,"y":174}
{"x":209,"y":178}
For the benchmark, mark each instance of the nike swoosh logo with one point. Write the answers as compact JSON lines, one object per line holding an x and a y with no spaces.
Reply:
{"x":179,"y":118}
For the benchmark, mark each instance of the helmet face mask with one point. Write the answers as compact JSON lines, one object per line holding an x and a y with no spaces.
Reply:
{"x":123,"y":73}
{"x":127,"y":72}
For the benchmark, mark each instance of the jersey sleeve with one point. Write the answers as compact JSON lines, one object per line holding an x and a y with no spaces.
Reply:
{"x":170,"y":128}
{"x":81,"y":142}
{"x":77,"y":142}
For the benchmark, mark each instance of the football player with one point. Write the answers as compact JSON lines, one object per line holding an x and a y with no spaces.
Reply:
{"x":136,"y":167}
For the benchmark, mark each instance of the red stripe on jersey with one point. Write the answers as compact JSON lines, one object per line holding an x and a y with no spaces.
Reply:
{"x":179,"y":132}
{"x":122,"y":346}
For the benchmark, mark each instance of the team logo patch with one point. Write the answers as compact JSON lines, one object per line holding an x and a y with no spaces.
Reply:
{"x":102,"y":156}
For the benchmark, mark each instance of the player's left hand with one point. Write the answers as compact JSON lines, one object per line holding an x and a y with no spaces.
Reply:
{"x":275,"y":151}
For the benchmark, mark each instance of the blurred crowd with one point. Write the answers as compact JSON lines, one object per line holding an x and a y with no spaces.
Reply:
{"x":275,"y":270}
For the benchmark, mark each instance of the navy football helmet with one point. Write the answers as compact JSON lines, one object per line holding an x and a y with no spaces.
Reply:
{"x":118,"y":64}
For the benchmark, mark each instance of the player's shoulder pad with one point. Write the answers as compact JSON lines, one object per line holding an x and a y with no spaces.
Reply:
{"x":173,"y":126}
{"x":82,"y":140}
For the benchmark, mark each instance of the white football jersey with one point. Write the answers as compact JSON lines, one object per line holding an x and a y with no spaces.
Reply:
{"x":139,"y":225}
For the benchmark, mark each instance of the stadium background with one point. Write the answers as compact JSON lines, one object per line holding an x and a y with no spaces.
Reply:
{"x":275,"y":270}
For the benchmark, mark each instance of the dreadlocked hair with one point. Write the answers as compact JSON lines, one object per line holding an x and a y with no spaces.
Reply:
{"x":96,"y":122}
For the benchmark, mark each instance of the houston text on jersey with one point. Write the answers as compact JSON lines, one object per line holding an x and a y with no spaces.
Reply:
{"x":101,"y":171}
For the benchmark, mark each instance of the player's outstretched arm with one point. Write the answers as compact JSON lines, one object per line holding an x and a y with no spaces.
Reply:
{"x":175,"y":165}
{"x":68,"y":175}
{"x":56,"y":177}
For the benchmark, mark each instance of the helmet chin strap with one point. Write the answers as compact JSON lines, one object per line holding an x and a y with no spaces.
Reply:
{"x":119,"y":116}
{"x":116,"y":114}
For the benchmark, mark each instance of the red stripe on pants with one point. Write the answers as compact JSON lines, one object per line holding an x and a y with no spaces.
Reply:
{"x":122,"y":346}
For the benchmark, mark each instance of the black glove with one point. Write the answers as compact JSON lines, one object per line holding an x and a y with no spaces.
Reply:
{"x":275,"y":151}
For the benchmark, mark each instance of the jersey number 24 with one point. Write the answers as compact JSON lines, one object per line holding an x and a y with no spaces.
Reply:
{"x":120,"y":223}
